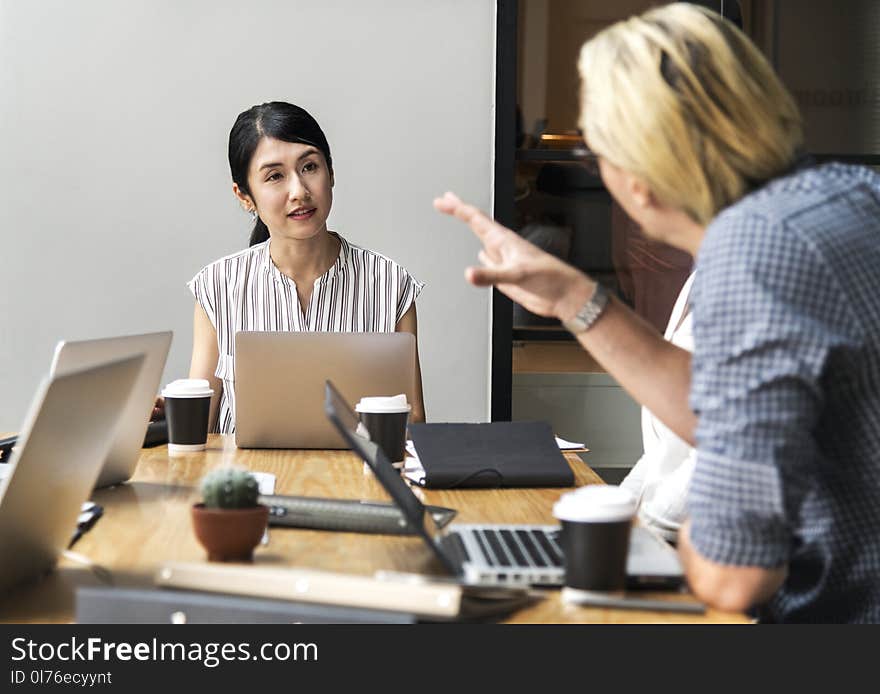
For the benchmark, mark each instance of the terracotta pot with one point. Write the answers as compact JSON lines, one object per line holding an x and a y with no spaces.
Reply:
{"x":229,"y":534}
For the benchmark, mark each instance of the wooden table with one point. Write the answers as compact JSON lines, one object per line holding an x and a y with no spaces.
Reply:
{"x":146,"y":521}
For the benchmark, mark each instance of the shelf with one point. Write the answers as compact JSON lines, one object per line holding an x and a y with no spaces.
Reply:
{"x":553,"y":358}
{"x":538,"y":334}
{"x":560,"y":155}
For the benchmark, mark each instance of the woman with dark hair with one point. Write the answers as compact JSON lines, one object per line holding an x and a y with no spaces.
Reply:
{"x":296,"y":275}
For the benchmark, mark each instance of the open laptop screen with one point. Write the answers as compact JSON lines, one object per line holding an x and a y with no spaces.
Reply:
{"x":347,"y":423}
{"x":279,"y":378}
{"x":129,"y":437}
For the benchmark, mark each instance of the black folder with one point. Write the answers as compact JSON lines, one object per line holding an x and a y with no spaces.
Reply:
{"x":498,"y":454}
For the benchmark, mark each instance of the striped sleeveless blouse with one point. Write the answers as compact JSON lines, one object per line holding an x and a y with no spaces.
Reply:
{"x":362,"y":292}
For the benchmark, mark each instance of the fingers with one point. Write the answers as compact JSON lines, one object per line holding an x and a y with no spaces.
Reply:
{"x":484,"y":276}
{"x":476,"y":277}
{"x":479,"y":223}
{"x":485,"y":258}
{"x":452,"y":205}
{"x":447,"y":203}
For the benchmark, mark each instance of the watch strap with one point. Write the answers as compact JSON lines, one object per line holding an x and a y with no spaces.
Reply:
{"x":589,"y":313}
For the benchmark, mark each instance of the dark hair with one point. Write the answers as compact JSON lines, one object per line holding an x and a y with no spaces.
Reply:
{"x":279,"y":120}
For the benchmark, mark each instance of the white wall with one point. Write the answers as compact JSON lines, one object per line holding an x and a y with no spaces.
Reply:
{"x":114,"y":184}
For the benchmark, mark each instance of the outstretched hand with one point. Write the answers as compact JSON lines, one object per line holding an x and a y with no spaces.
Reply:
{"x":538,"y":281}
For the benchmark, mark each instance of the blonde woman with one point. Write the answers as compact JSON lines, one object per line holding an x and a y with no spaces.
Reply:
{"x":699,"y":142}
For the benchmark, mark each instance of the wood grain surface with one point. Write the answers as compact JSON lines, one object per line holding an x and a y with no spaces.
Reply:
{"x":147,"y":521}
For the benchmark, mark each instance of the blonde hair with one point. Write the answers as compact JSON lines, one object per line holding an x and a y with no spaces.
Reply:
{"x":681,"y":98}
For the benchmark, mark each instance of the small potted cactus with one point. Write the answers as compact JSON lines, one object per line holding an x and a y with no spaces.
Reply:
{"x":229,"y":523}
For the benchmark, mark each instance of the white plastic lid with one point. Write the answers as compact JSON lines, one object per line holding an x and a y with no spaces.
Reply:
{"x":393,"y":403}
{"x":188,"y":388}
{"x":595,"y":503}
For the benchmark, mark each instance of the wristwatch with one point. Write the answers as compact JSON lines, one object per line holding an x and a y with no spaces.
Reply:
{"x":589,"y":312}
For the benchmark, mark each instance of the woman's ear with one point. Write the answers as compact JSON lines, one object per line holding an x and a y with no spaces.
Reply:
{"x":640,"y":193}
{"x":243,"y":198}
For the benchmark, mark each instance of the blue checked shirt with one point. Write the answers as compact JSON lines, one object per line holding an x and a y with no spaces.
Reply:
{"x":786,"y":384}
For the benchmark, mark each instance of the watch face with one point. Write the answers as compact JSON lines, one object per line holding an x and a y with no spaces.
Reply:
{"x":589,"y":313}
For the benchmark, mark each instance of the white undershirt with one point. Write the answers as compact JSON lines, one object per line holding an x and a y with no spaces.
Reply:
{"x":661,"y":477}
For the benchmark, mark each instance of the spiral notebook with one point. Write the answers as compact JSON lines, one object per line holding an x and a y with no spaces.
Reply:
{"x":497,"y":454}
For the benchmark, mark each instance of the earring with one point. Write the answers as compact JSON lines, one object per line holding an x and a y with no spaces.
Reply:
{"x":253,"y":212}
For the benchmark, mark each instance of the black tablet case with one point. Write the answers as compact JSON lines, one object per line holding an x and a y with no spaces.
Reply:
{"x":497,"y":454}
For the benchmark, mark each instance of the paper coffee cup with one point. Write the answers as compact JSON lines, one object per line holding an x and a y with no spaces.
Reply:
{"x":596,"y":522}
{"x":187,"y":408}
{"x":385,"y":419}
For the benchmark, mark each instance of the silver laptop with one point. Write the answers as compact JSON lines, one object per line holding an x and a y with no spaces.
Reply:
{"x":74,"y":356}
{"x":61,"y":447}
{"x":279,"y":382}
{"x":497,"y":554}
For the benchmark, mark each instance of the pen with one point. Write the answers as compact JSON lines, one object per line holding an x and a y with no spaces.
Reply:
{"x":85,"y":522}
{"x":627,"y":603}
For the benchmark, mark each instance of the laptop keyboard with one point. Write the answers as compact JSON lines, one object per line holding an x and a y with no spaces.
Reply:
{"x":505,"y":554}
{"x":484,"y":547}
{"x":550,"y":544}
{"x":536,"y":557}
{"x":520,"y":547}
{"x":454,"y":545}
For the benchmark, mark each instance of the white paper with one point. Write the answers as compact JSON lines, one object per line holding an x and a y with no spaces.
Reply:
{"x":562,"y":443}
{"x":266,"y":484}
{"x":415,"y":472}
{"x":411,"y":449}
{"x":568,"y":445}
{"x":265,"y":481}
{"x":412,"y":466}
